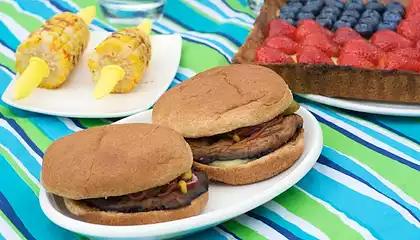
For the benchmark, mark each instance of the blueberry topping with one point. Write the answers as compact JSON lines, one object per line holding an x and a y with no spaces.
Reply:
{"x":334,"y":3}
{"x":387,"y":25}
{"x":391,"y":15}
{"x":369,"y":20}
{"x":340,"y":24}
{"x":350,"y":19}
{"x":334,"y":10}
{"x":371,"y":13}
{"x":352,"y":13}
{"x":375,"y":5}
{"x":396,"y":6}
{"x":364,"y":29}
{"x":313,"y":8}
{"x":305,"y":15}
{"x":287,"y":15}
{"x":353,"y":5}
{"x":287,"y":8}
{"x":329,"y":15}
{"x":325,"y":22}
{"x":291,"y":21}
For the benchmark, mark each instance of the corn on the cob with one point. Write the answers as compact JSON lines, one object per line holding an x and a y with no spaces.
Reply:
{"x":53,"y":50}
{"x":119,"y":62}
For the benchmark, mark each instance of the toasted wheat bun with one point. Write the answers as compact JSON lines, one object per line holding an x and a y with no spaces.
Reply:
{"x":261,"y":169}
{"x":223,"y":99}
{"x":114,"y":160}
{"x":93,"y":215}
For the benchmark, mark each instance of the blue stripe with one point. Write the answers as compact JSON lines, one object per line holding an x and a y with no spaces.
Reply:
{"x":274,"y":226}
{"x":77,"y":123}
{"x":36,"y":7}
{"x":181,"y":76}
{"x":9,"y":141}
{"x":209,"y":234}
{"x":11,"y":215}
{"x":26,"y":206}
{"x":354,"y":168}
{"x":398,"y":132}
{"x":8,"y":69}
{"x":325,"y":161}
{"x":7,"y":38}
{"x":23,"y":134}
{"x":281,"y":222}
{"x":244,"y":17}
{"x":244,"y":3}
{"x":380,"y":137}
{"x":366,"y":143}
{"x":231,"y":233}
{"x":2,"y":237}
{"x":380,"y":219}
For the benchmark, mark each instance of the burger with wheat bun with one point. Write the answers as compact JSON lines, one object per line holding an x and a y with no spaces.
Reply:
{"x":128,"y":174}
{"x":239,"y":121}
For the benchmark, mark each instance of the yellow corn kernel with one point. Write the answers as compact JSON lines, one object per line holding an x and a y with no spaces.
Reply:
{"x":236,"y":138}
{"x":183,"y":186}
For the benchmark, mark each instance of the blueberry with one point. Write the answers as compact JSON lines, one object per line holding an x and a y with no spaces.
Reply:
{"x":391,"y":15}
{"x":369,"y":20}
{"x":287,"y":15}
{"x":334,"y":10}
{"x":352,"y":13}
{"x":295,"y":4}
{"x":329,"y":15}
{"x":340,"y":24}
{"x":325,"y":22}
{"x":387,"y":25}
{"x":364,"y":29}
{"x":375,"y":5}
{"x":312,"y":8}
{"x":293,"y":1}
{"x":350,"y":19}
{"x":334,"y":3}
{"x":371,"y":13}
{"x":397,"y":7}
{"x":352,"y":5}
{"x":291,"y":21}
{"x":289,"y":9}
{"x":305,"y":15}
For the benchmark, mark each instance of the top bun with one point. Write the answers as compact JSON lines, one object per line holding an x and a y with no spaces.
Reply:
{"x":114,"y":160}
{"x":223,"y":99}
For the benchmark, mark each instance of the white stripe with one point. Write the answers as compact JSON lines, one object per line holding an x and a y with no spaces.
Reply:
{"x":11,"y":74}
{"x":223,"y":233}
{"x":70,"y":124}
{"x":387,"y":183}
{"x":186,"y":72}
{"x":21,"y":166}
{"x":7,"y":231}
{"x":364,"y":189}
{"x":18,"y":31}
{"x":363,"y":135}
{"x":6,"y":126}
{"x":259,"y":227}
{"x":343,"y":217}
{"x":295,"y":220}
{"x":216,"y":16}
{"x":230,"y":12}
{"x":19,"y":9}
{"x":384,"y":132}
{"x":7,"y":52}
{"x":171,"y":25}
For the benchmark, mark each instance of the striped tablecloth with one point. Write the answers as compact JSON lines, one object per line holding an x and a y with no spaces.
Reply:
{"x":366,"y":184}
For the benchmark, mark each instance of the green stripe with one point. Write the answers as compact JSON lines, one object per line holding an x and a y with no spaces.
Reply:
{"x":6,"y":219}
{"x":242,"y":231}
{"x":399,"y":174}
{"x":236,"y":5}
{"x":19,"y":171}
{"x":88,"y":123}
{"x":316,"y":214}
{"x":34,"y":133}
{"x":9,"y":63}
{"x":193,"y":51}
{"x":26,"y":21}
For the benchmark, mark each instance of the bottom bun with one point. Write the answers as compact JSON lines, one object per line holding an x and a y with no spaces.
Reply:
{"x":260,"y":169}
{"x":94,"y":215}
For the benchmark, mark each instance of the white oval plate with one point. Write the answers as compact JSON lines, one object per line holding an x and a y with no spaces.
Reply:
{"x":225,"y":201}
{"x":393,"y":109}
{"x":75,"y":97}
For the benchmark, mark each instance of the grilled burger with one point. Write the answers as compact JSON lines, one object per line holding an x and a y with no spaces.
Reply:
{"x":125,"y":175}
{"x":239,"y":121}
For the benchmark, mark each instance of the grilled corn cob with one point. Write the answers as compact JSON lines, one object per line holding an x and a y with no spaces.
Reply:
{"x":119,"y":62}
{"x":48,"y":55}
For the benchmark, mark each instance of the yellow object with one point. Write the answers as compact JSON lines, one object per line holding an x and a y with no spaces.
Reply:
{"x":87,"y":14}
{"x":59,"y":43}
{"x":111,"y":75}
{"x":36,"y":71}
{"x":293,"y":107}
{"x":236,"y":138}
{"x":130,"y":50}
{"x":187,"y":175}
{"x":183,"y":186}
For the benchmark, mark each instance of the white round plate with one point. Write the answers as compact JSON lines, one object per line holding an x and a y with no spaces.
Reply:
{"x":75,"y":97}
{"x":225,"y":201}
{"x":383,"y":108}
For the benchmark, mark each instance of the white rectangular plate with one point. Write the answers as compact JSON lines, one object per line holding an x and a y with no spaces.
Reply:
{"x":225,"y":201}
{"x":75,"y":97}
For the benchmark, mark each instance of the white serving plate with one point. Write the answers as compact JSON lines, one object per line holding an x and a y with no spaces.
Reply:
{"x":383,"y":108}
{"x":225,"y":202}
{"x":75,"y":97}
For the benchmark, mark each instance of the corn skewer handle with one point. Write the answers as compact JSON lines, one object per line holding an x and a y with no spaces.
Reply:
{"x":87,"y":14}
{"x":112,"y":74}
{"x":30,"y":79}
